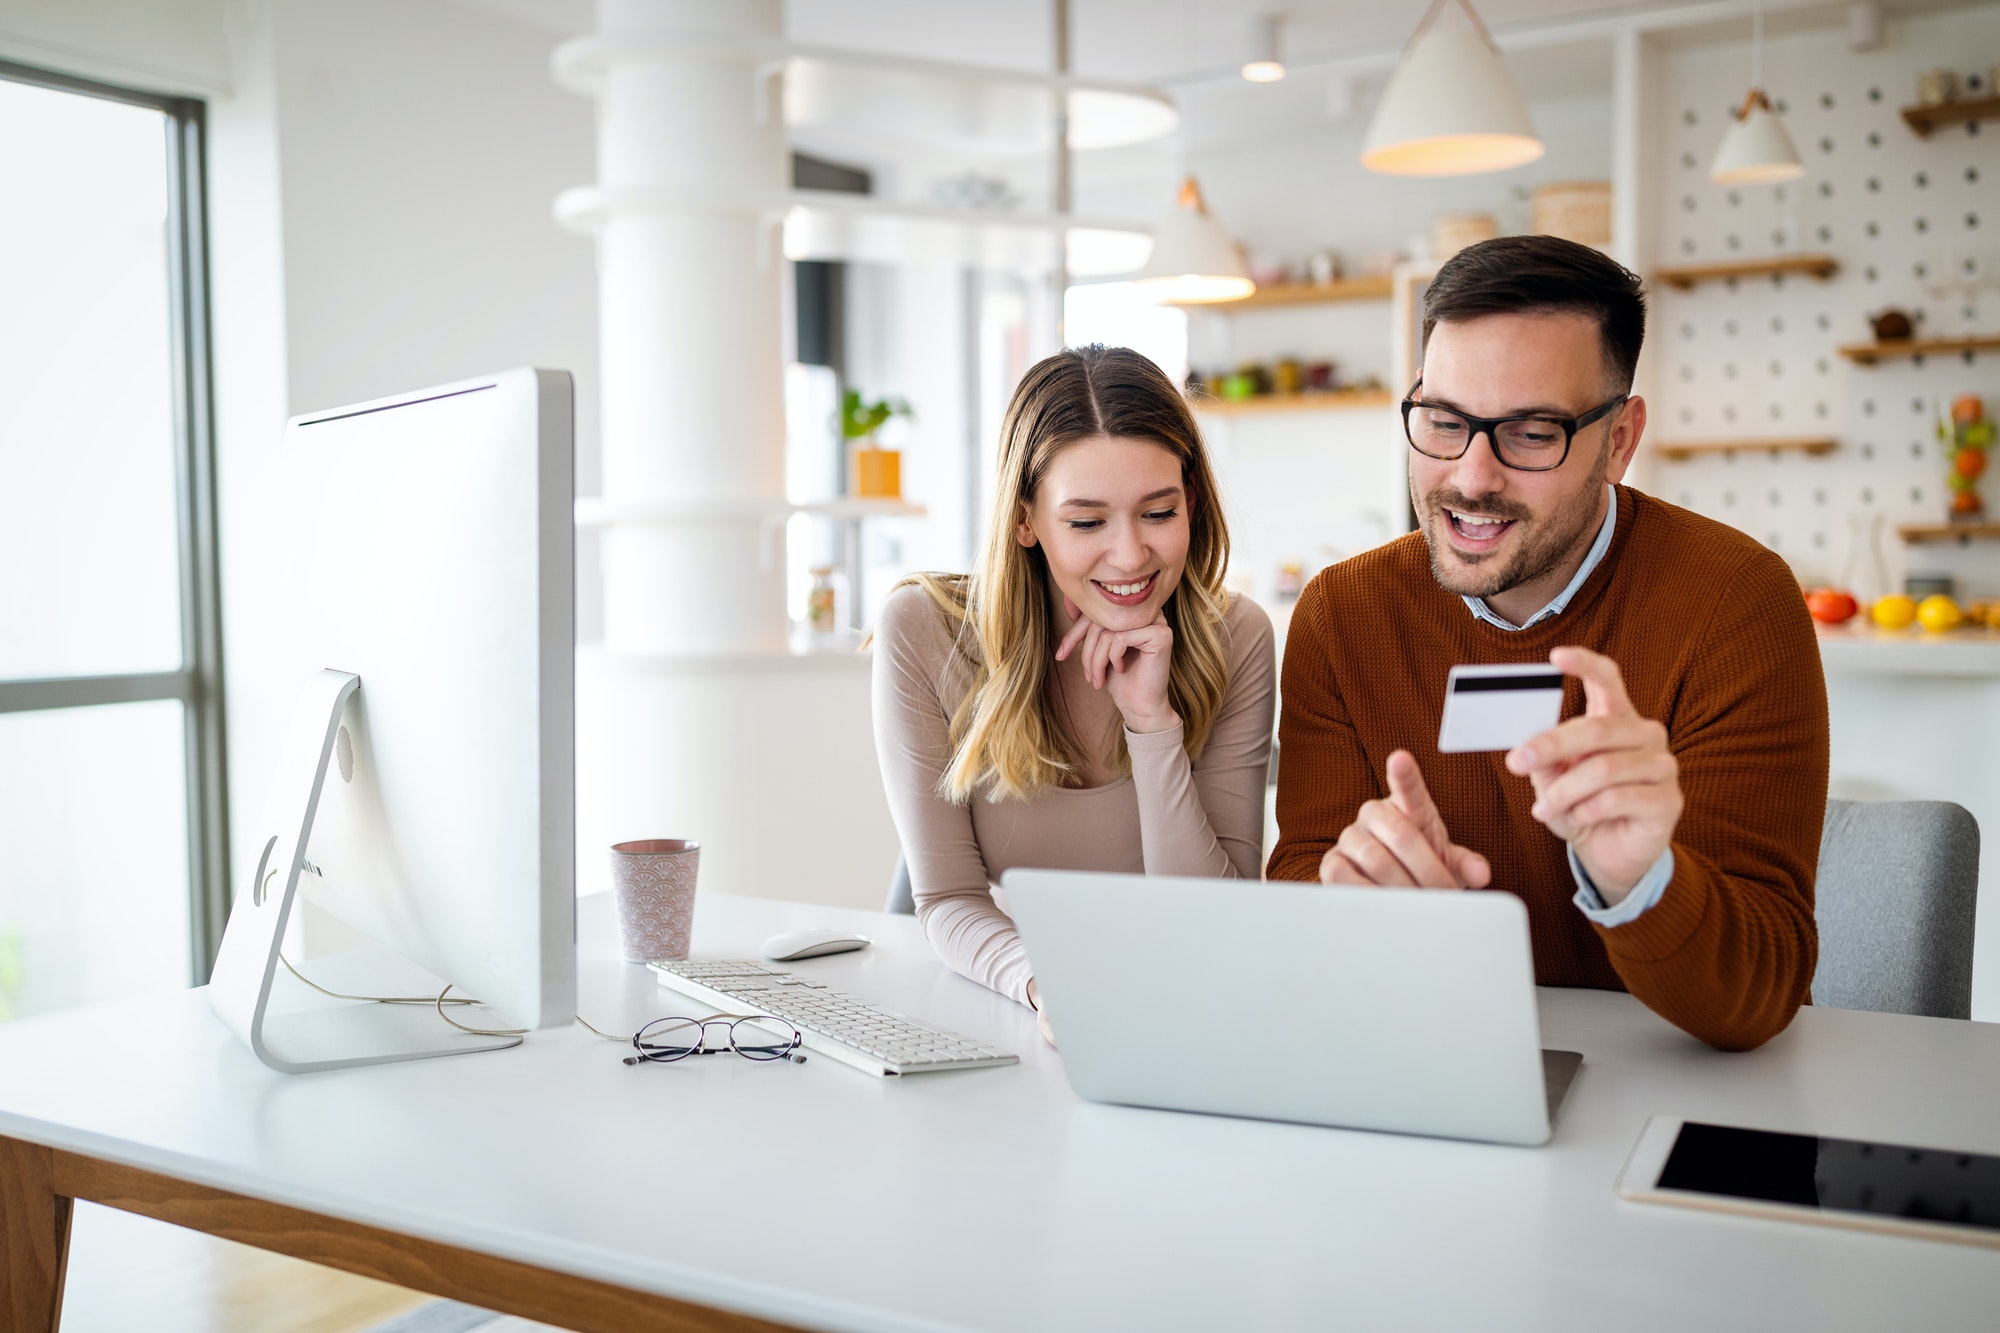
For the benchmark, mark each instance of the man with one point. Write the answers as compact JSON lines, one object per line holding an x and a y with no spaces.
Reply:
{"x":1664,"y":835}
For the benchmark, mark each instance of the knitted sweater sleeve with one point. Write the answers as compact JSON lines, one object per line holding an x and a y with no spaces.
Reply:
{"x":1728,"y":952}
{"x":1324,"y":772}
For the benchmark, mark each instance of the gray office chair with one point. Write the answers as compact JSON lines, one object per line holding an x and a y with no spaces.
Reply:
{"x":1897,"y":887}
{"x":901,"y":897}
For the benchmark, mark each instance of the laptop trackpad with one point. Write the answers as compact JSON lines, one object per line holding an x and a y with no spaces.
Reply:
{"x":1558,"y":1072}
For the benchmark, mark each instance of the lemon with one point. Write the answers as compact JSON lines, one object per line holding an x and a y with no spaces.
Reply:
{"x":1894,"y":612}
{"x":1938,"y":613}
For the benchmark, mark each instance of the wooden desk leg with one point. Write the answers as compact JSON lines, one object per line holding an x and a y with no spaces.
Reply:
{"x":34,"y":1239}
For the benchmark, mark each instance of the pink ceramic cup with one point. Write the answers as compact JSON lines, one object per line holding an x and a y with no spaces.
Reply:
{"x":653,"y":881}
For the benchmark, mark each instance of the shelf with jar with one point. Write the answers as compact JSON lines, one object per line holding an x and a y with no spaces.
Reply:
{"x":1895,"y":349}
{"x":1286,"y":385}
{"x":1337,"y":400}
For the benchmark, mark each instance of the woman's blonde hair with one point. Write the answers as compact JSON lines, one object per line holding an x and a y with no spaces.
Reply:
{"x":1008,"y":736}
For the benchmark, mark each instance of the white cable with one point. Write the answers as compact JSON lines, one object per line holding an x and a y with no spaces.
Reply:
{"x":438,"y":1002}
{"x":1756,"y":43}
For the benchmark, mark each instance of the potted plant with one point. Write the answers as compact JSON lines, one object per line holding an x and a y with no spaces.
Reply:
{"x":878,"y":472}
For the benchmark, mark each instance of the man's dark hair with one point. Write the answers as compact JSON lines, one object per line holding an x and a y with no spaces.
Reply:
{"x":1517,"y":275}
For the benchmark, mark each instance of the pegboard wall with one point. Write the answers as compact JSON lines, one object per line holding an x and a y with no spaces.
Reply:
{"x":1914,"y":224}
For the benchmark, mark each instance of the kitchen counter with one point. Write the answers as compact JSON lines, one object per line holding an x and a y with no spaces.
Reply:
{"x":1916,"y":717}
{"x":1866,"y":650}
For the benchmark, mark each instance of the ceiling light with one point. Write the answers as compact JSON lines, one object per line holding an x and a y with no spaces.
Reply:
{"x":1450,"y":108}
{"x":1755,"y":149}
{"x":1193,"y":259}
{"x":1264,"y":65}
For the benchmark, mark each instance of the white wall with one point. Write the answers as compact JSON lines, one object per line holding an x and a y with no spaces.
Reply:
{"x":165,"y":45}
{"x":407,"y":153}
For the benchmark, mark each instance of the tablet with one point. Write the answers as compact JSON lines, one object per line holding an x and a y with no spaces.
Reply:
{"x":1936,"y":1193}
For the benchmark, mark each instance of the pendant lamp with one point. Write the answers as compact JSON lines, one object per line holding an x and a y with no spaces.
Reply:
{"x":1755,"y":149}
{"x":1193,"y":259}
{"x":1450,"y":108}
{"x":1265,"y":65}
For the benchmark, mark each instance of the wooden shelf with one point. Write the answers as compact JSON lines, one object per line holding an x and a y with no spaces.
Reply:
{"x":1868,"y":354}
{"x":1921,"y":533}
{"x":1687,"y":449}
{"x":1302,"y":293}
{"x":1814,"y":266}
{"x":1292,"y":402}
{"x":1924,"y":119}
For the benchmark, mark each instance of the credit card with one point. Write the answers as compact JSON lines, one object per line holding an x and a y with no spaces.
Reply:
{"x":1498,"y":707}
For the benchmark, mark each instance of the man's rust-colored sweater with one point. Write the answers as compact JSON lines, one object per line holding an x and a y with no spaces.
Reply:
{"x":1713,"y":639}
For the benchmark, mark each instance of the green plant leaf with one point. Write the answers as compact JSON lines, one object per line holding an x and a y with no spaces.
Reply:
{"x":860,"y":418}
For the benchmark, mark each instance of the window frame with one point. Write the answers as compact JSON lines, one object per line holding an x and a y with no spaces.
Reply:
{"x":198,"y":682}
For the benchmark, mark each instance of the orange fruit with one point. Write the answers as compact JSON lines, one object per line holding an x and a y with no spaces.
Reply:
{"x":1970,"y":462}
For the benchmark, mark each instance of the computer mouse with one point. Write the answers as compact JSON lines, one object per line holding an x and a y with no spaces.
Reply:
{"x":796,"y":944}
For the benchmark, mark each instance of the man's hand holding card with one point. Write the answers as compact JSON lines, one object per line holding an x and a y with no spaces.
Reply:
{"x":1604,"y":782}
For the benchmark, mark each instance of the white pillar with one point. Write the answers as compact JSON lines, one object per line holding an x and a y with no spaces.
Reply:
{"x":689,"y":331}
{"x":694,"y":720}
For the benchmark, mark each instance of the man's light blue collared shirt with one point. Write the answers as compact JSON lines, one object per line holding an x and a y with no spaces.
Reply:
{"x":1654,"y":882}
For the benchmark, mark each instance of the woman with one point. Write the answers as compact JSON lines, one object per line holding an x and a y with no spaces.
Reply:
{"x":1089,"y":697}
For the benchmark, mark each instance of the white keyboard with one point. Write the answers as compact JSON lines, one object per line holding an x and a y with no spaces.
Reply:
{"x":834,"y":1024}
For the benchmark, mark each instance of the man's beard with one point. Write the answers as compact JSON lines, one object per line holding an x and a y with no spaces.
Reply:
{"x":1544,"y":542}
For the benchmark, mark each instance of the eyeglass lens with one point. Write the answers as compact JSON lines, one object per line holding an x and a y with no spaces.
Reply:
{"x":668,"y":1039}
{"x":1531,"y":443}
{"x":763,"y":1038}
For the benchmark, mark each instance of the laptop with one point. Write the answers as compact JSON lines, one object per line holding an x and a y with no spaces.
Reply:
{"x":1406,"y":1010}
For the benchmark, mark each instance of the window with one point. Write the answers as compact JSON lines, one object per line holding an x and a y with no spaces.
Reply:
{"x":112,"y":840}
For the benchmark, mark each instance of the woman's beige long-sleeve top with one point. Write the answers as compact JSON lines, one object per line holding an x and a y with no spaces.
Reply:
{"x":1171,"y":817}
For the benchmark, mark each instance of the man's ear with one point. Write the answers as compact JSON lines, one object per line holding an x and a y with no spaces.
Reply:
{"x":1024,"y":531}
{"x":1625,"y":435}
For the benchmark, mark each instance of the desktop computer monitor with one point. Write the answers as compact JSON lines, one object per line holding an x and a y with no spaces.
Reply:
{"x":425,"y":794}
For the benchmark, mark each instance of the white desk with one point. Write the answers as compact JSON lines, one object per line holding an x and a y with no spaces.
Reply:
{"x":994,"y":1199}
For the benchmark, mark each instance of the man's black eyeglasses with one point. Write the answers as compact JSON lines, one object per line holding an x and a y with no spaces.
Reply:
{"x":1527,"y":444}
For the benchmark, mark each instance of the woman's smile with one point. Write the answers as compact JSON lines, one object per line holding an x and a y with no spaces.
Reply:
{"x":1130,"y":593}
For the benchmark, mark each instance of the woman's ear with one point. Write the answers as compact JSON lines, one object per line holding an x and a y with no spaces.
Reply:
{"x":1024,"y":531}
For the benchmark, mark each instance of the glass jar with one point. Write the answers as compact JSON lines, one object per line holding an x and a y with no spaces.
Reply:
{"x":822,"y":601}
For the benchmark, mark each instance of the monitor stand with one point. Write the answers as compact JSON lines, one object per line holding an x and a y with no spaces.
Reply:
{"x":247,"y":969}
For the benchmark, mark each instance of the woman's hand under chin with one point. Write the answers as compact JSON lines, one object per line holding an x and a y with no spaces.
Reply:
{"x":1132,"y":665}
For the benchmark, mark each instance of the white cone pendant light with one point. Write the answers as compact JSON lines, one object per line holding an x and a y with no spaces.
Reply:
{"x":1193,"y":258}
{"x":1450,"y":108}
{"x":1755,"y":149}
